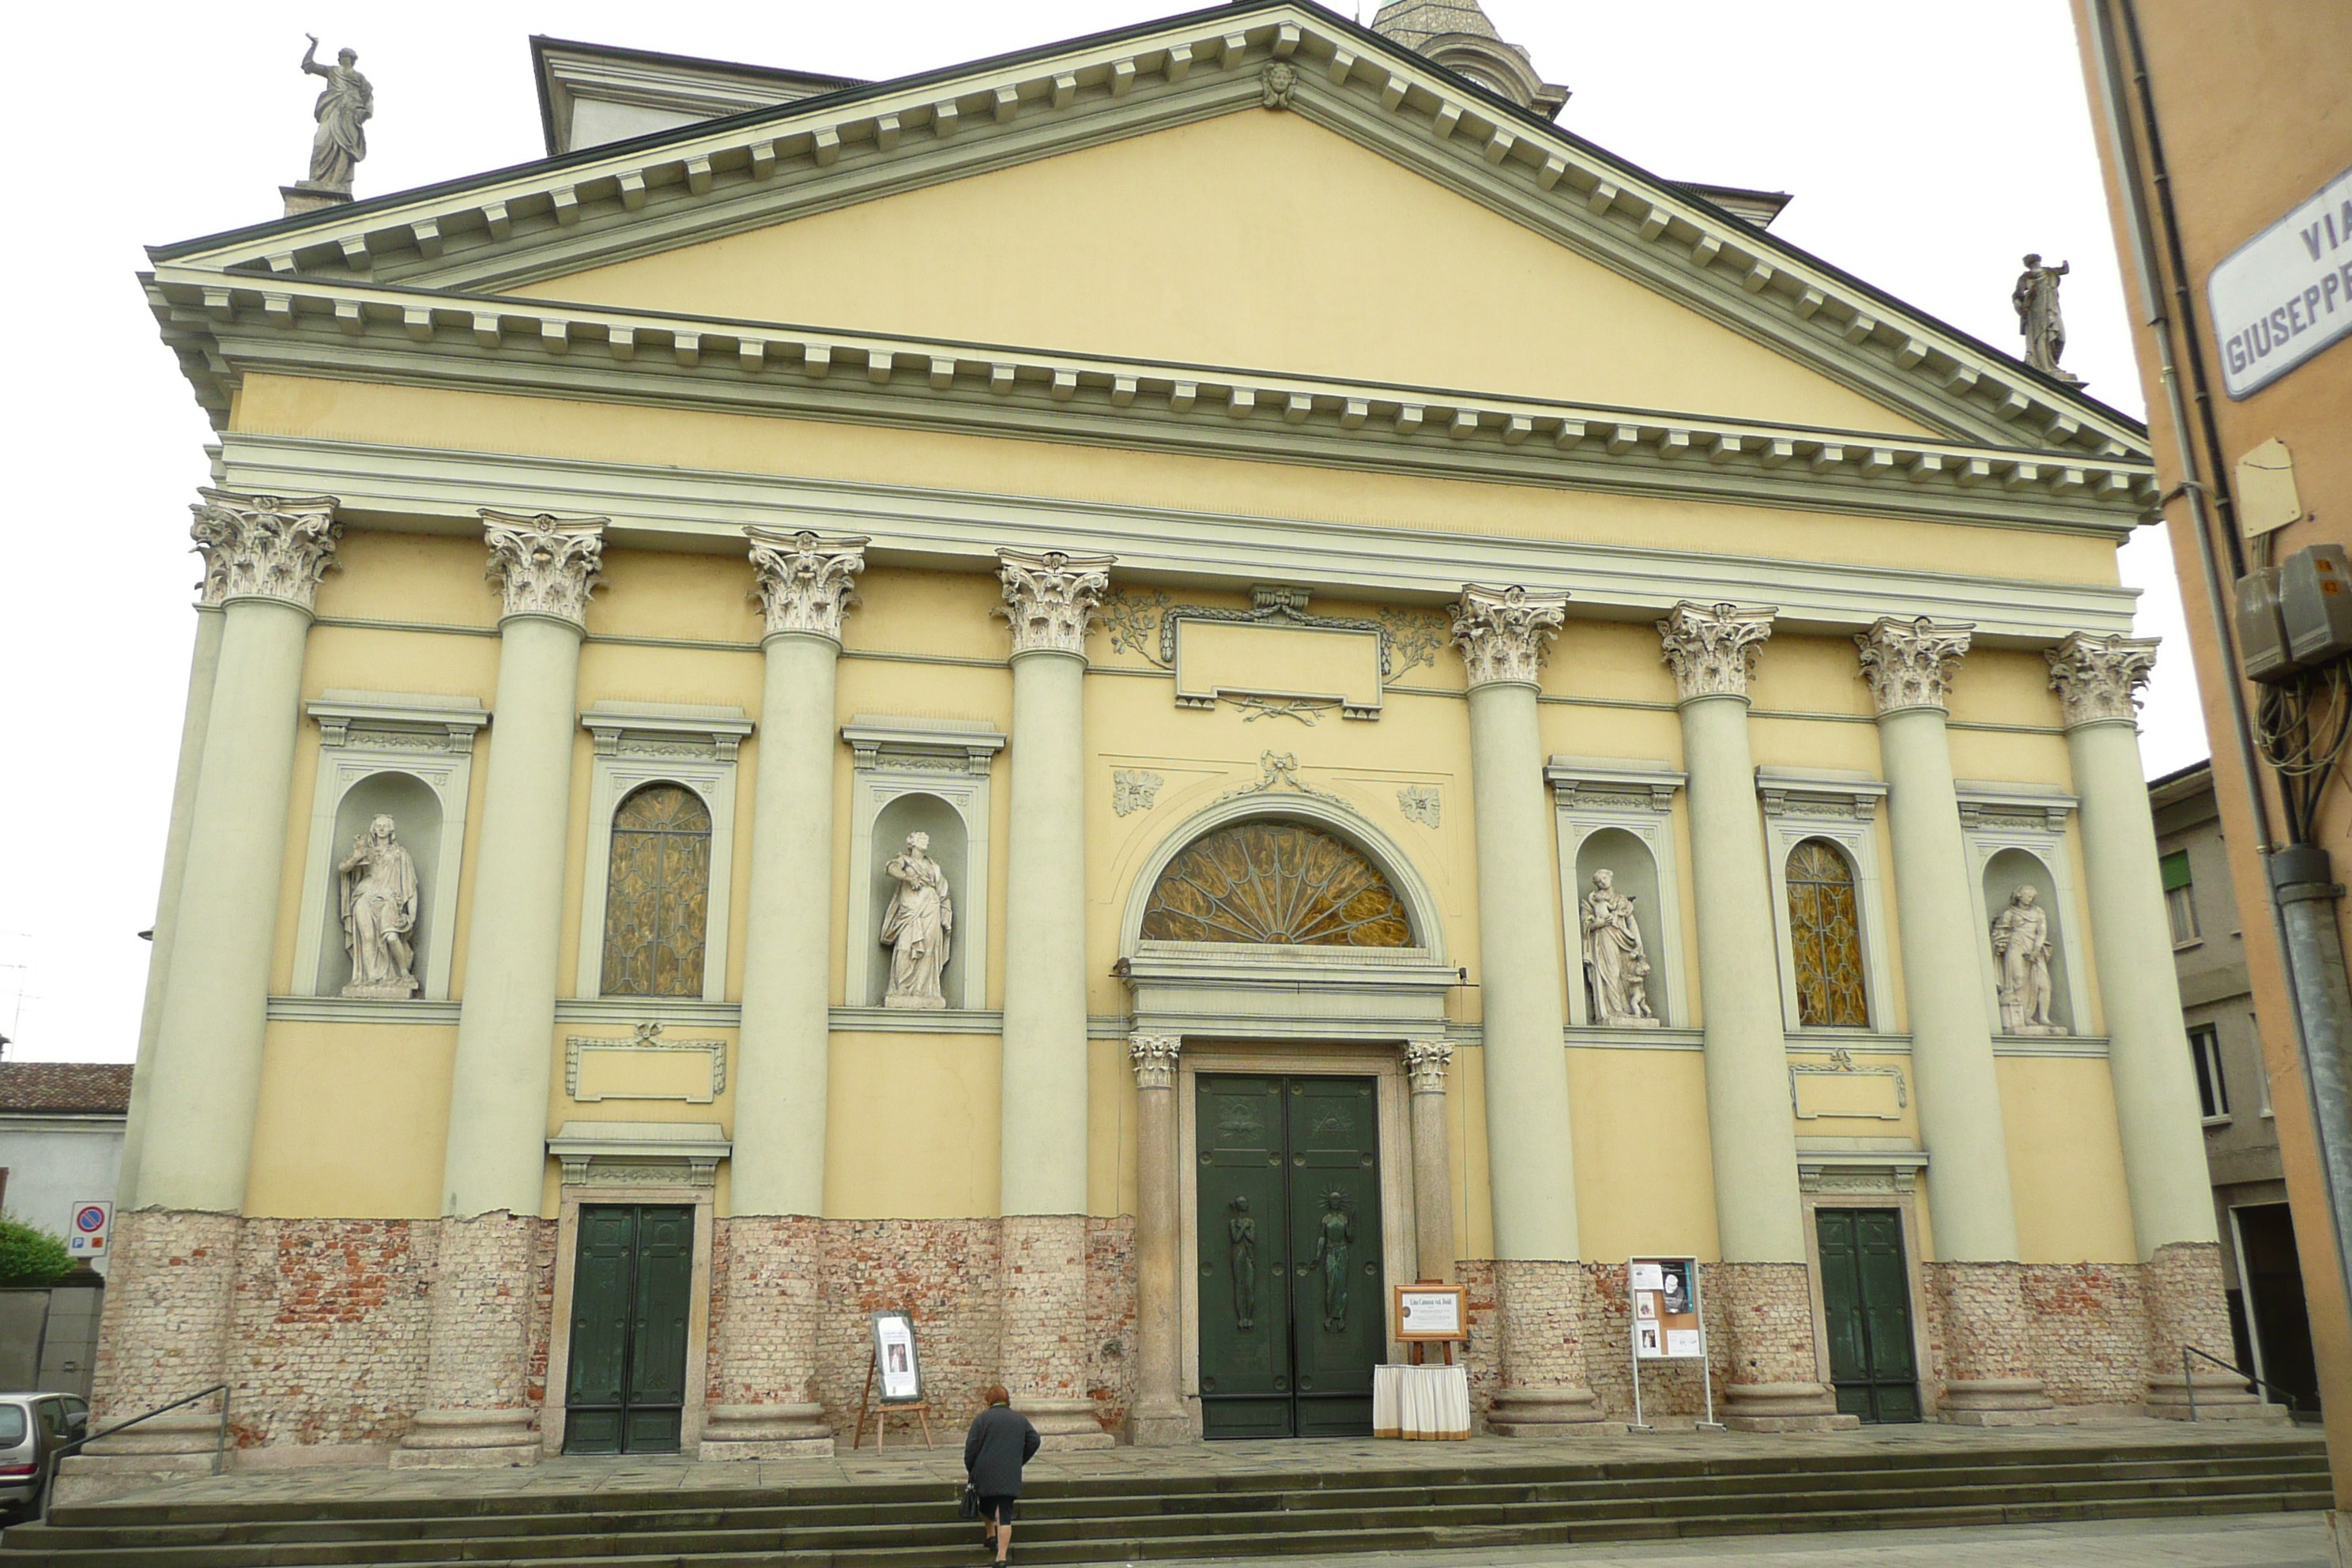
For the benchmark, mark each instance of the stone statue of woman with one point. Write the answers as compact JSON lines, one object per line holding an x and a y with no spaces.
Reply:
{"x":1615,"y":966}
{"x":1335,"y":1235}
{"x":2035,"y":298}
{"x":916,"y":927}
{"x":2021,"y":952}
{"x":1242,"y":1234}
{"x":342,"y":114}
{"x":379,"y":912}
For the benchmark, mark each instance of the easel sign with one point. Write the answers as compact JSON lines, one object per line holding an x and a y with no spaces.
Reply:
{"x":1427,"y":1312}
{"x":1667,"y":1325}
{"x":896,"y":1360}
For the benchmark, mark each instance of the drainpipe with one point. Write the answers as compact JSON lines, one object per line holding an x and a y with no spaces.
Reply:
{"x":2303,"y":890}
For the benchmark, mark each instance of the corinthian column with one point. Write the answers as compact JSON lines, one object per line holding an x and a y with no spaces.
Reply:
{"x":478,"y":1406}
{"x":1425,"y":1063}
{"x":1759,"y":1220}
{"x":1049,"y":599}
{"x":1160,"y":1420}
{"x":2156,"y":1111}
{"x":1538,"y":1287}
{"x":764,"y":1403}
{"x":174,"y":1256}
{"x":1977,"y":1275}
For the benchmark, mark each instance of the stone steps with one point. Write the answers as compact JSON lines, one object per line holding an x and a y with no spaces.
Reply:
{"x":912,"y":1524}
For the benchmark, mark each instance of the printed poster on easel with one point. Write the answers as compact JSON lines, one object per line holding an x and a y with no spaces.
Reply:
{"x":896,"y":1360}
{"x":1667,"y":1324}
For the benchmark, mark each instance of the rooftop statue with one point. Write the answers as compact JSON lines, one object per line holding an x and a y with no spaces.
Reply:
{"x":342,"y":112}
{"x":2036,"y":300}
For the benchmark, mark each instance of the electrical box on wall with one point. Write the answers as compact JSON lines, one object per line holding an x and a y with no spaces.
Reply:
{"x":2262,"y":629}
{"x":2316,"y":602}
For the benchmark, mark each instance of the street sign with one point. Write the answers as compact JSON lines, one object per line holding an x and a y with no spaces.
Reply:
{"x":93,"y":1223}
{"x":2285,"y":294}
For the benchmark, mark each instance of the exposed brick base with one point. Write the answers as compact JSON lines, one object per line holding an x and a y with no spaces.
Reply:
{"x":1768,"y":1323}
{"x":2186,"y":1307}
{"x":1541,"y":1313}
{"x":766,"y":1297}
{"x":1991,"y":1361}
{"x":482,"y":1356}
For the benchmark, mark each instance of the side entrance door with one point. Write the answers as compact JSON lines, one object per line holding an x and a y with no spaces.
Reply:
{"x":631,"y":1289}
{"x":1866,"y":1292}
{"x":1293,"y":1306}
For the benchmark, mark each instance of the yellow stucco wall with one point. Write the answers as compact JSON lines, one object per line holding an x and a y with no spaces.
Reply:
{"x":2065,"y":1161}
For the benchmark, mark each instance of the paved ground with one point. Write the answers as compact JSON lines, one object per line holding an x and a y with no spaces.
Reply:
{"x":1337,"y":1456}
{"x":2268,"y":1541}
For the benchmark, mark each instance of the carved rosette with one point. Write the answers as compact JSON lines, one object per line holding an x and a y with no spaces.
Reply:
{"x":2098,"y":679}
{"x":1425,"y":1062}
{"x":264,"y":547}
{"x":1910,"y":664}
{"x":804,"y":583}
{"x":1713,"y":648}
{"x":544,"y":566}
{"x":1051,"y":597}
{"x":1503,"y":632}
{"x":1153,"y":1058}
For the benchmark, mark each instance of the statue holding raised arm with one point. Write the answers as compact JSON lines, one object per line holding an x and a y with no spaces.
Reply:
{"x":342,"y":112}
{"x":2035,"y":298}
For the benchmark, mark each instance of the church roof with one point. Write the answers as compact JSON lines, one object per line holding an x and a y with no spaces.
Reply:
{"x":431,"y":274}
{"x":66,"y":1087}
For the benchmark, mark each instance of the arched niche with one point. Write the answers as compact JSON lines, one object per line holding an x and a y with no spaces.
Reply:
{"x":415,"y":811}
{"x":1633,"y":871}
{"x":950,"y":847}
{"x":2008,"y":870}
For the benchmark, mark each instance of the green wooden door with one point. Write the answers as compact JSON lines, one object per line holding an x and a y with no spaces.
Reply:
{"x":1866,"y":1293}
{"x":1293,"y":1300}
{"x":631,"y":1286}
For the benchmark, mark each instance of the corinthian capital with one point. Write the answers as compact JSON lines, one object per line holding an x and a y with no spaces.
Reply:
{"x":1426,"y":1061}
{"x":1153,"y":1058}
{"x":265,"y":547}
{"x":1503,"y":632}
{"x":805,"y":583}
{"x":1712,"y":648}
{"x":544,"y":566}
{"x":2098,"y":678}
{"x":1050,"y":597}
{"x":1910,"y":664}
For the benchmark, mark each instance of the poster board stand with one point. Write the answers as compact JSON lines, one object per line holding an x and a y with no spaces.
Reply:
{"x":1667,"y":1324}
{"x":1428,"y":1313}
{"x":894,"y":1369}
{"x":921,"y":1408}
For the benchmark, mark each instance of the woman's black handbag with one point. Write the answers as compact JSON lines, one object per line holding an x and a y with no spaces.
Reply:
{"x":967,"y":1503}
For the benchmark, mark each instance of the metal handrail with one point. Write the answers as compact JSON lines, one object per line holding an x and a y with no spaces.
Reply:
{"x":220,"y":1441}
{"x":2189,"y":1381}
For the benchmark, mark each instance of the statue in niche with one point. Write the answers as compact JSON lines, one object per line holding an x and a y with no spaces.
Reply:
{"x":342,"y":114}
{"x":1616,"y":967}
{"x":2021,"y":955}
{"x":379,"y":912}
{"x":1242,"y":1230}
{"x":916,"y":927}
{"x":2035,"y":298}
{"x":1335,"y":1236}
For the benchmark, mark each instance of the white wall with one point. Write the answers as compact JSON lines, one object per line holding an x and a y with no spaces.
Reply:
{"x":55,"y":1161}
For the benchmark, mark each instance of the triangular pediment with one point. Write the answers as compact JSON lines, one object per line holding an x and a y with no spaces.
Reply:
{"x":1318,"y":198}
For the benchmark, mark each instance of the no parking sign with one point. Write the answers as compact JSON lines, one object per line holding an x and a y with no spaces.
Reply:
{"x":86,"y":1237}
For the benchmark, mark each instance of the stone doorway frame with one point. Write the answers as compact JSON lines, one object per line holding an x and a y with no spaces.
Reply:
{"x":1385,"y":1068}
{"x":1869,"y":1181}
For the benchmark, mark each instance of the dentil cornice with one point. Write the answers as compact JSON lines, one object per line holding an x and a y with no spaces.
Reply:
{"x":1503,"y":632}
{"x":804,"y":583}
{"x":2098,"y":679}
{"x":545,"y":566}
{"x":1910,"y":664}
{"x":264,"y":547}
{"x":1050,"y":598}
{"x":1426,"y":1062}
{"x":1713,"y":648}
{"x":1153,"y":1056}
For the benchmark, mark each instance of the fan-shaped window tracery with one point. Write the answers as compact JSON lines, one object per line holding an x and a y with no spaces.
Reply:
{"x":1274,"y":882}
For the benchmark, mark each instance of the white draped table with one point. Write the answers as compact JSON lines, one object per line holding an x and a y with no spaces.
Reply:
{"x":1422,"y":1403}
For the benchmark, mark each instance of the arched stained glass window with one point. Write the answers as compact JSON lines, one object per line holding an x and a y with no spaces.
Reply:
{"x":658,"y":901}
{"x":1825,"y":933}
{"x":1275,"y":882}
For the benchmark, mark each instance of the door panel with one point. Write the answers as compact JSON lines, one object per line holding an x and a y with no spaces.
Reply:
{"x":1866,"y":1299}
{"x":632,"y":1293}
{"x":600,"y":1335}
{"x":1292,"y":1295}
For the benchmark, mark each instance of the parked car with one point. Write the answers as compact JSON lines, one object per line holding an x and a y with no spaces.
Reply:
{"x":34,"y":1428}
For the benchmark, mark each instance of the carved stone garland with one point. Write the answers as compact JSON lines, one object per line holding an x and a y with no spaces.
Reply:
{"x":1050,"y":597}
{"x":804,"y":583}
{"x":265,"y":547}
{"x":1910,"y":664}
{"x":544,"y":566}
{"x":1153,"y":1058}
{"x":1713,"y":648}
{"x":1502,"y":632}
{"x":2098,"y":678}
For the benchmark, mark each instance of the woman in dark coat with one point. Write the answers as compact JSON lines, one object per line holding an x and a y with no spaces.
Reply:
{"x":999,"y":1443}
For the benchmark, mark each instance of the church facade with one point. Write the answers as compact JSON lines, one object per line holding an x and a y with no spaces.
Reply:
{"x":1032,"y":755}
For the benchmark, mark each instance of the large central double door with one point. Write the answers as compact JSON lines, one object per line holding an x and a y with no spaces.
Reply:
{"x":1293,"y":1302}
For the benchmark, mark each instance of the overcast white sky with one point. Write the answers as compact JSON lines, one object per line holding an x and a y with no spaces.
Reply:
{"x":1929,"y":145}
